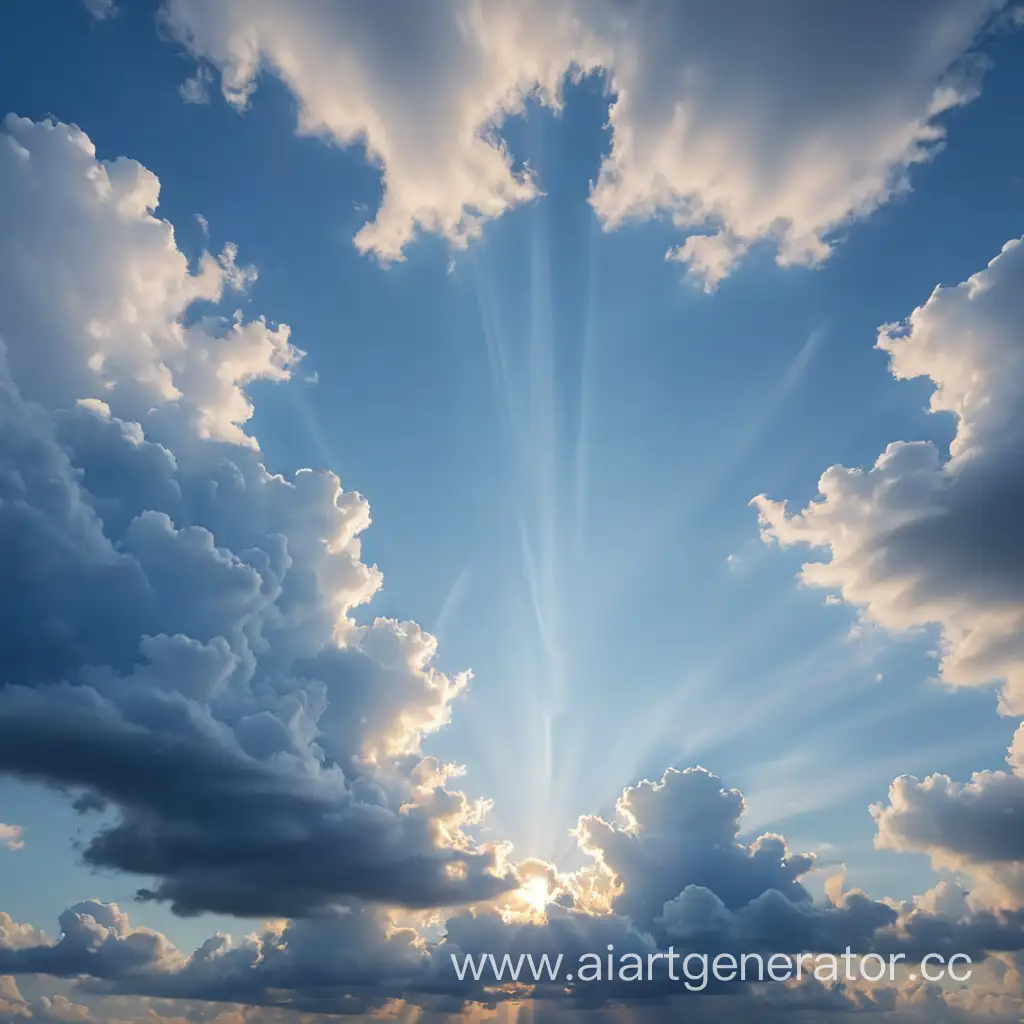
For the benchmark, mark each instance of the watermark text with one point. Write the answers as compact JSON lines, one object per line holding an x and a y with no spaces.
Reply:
{"x":695,"y":971}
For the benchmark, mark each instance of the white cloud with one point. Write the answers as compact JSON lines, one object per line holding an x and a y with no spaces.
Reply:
{"x":421,"y":87}
{"x":709,"y":259}
{"x":741,"y":122}
{"x":107,"y":301}
{"x":196,"y":88}
{"x":16,"y":935}
{"x":11,"y":837}
{"x":919,"y":539}
{"x":761,"y":122}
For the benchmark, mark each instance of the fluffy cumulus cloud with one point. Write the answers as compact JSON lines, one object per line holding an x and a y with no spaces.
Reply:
{"x":95,"y":938}
{"x":920,"y":538}
{"x":14,"y":934}
{"x":975,"y":827}
{"x":176,"y":640}
{"x":742,"y":123}
{"x":683,"y":832}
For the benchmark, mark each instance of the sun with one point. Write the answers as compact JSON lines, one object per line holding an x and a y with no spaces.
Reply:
{"x":536,"y":893}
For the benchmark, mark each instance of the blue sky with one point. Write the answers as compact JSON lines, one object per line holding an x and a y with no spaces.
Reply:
{"x":559,"y":434}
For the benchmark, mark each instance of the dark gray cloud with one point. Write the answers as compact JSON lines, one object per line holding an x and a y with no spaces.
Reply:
{"x":219,"y":829}
{"x":96,"y":940}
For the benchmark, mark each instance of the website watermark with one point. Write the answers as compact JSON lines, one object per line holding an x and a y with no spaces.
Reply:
{"x":695,"y":971}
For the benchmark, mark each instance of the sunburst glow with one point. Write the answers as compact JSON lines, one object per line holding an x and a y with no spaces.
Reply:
{"x":536,"y":893}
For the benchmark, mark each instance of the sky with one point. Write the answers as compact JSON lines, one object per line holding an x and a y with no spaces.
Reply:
{"x":474,"y":477}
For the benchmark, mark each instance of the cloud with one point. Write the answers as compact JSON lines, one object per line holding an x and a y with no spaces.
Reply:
{"x":11,"y":837}
{"x":177,"y":641}
{"x":784,"y":131}
{"x":709,"y":259}
{"x":196,"y":88}
{"x":118,"y":303}
{"x":908,"y":1003}
{"x":358,"y":958}
{"x":424,"y":101}
{"x":724,"y":897}
{"x":95,"y":939}
{"x":101,"y":9}
{"x":682,"y":832}
{"x":973,"y":827}
{"x":921,"y":539}
{"x":14,"y":935}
